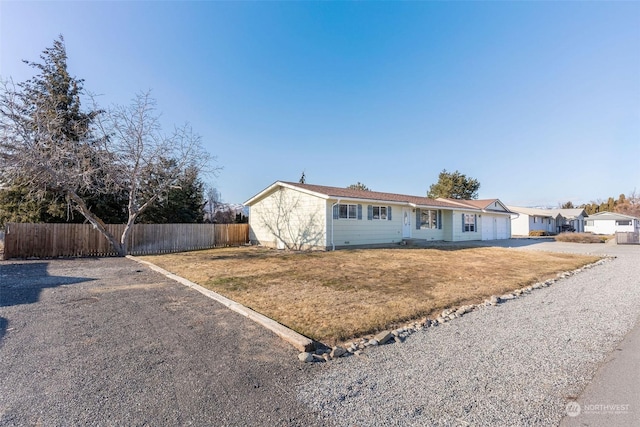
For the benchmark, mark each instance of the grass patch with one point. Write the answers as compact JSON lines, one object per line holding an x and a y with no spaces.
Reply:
{"x":581,"y":238}
{"x":335,"y":296}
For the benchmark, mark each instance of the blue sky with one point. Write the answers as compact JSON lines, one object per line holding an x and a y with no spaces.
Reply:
{"x":539,"y":101}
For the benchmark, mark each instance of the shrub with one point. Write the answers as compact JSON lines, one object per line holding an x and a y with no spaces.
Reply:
{"x":538,"y":233}
{"x":580,"y":238}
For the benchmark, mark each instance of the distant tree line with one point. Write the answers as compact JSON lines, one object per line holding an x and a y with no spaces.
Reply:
{"x":627,"y":205}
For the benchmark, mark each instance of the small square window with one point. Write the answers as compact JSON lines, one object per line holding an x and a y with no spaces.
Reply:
{"x":347,"y":211}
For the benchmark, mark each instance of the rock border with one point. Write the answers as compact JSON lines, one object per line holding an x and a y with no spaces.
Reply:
{"x":299,"y":341}
{"x":399,"y":335}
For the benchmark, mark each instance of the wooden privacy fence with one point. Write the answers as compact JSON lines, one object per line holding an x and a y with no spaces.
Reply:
{"x":628,"y":238}
{"x":76,"y":240}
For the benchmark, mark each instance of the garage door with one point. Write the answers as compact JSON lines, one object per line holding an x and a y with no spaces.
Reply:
{"x":488,"y":228}
{"x":503,"y":228}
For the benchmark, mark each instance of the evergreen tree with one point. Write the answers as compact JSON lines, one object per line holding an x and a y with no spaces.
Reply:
{"x":183,"y":203}
{"x":454,"y":186}
{"x":567,"y":205}
{"x":18,"y":205}
{"x":359,"y":186}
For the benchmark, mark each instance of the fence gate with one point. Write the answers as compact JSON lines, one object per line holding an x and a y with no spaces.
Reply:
{"x":628,"y":238}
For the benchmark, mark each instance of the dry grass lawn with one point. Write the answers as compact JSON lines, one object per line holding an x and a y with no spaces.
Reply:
{"x":334,"y":296}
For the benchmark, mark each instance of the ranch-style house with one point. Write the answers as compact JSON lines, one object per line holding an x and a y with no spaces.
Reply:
{"x":304,"y":216}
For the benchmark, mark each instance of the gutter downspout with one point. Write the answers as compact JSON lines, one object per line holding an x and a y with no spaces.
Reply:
{"x":333,"y":245}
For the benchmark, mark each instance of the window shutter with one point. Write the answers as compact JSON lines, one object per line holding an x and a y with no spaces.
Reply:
{"x":369,"y":212}
{"x":439,"y":220}
{"x":336,"y":211}
{"x":463,"y":223}
{"x":475,"y":223}
{"x":359,"y":211}
{"x":418,"y":218}
{"x":389,"y":213}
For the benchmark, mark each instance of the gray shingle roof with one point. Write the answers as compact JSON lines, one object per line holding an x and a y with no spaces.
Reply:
{"x":610,"y":216}
{"x":348,"y":193}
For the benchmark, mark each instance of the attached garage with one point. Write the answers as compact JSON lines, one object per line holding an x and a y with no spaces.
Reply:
{"x":495,"y":227}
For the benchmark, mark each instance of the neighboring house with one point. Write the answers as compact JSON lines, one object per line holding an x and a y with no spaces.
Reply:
{"x":526,"y":220}
{"x":551,"y":221}
{"x":611,"y":223}
{"x":572,"y":219}
{"x":301,"y":216}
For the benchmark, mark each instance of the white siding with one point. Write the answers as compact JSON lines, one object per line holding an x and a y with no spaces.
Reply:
{"x":458,"y":235}
{"x":523,"y":224}
{"x":352,"y":232}
{"x":608,"y":226}
{"x":427,"y":233}
{"x":520,"y":225}
{"x":289,"y":219}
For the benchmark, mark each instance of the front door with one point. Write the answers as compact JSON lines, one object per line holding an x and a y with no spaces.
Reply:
{"x":406,"y":223}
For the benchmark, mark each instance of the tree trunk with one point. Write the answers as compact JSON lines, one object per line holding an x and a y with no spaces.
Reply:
{"x":97,"y":223}
{"x":125,"y":234}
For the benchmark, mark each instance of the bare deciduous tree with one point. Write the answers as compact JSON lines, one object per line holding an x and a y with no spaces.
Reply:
{"x":146,"y":163}
{"x":213,"y":200}
{"x":49,"y":145}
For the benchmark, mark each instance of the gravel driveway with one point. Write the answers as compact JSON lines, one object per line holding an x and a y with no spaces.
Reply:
{"x":518,"y":363}
{"x":109,"y":342}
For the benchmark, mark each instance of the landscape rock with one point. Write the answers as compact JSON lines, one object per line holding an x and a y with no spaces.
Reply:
{"x":338,"y":351}
{"x":305,"y":357}
{"x":383,"y":337}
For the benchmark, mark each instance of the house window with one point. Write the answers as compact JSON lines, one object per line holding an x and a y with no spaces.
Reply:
{"x":348,"y":211}
{"x":623,"y":222}
{"x":468,"y":222}
{"x":428,"y":218}
{"x":589,"y":223}
{"x":535,"y":219}
{"x":379,"y":212}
